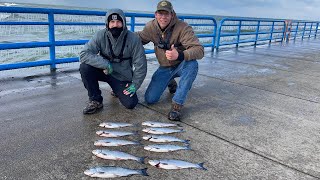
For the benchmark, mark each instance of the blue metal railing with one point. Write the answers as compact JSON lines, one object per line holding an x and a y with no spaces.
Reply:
{"x":303,"y":29}
{"x":52,"y":43}
{"x":231,"y":31}
{"x":235,"y":31}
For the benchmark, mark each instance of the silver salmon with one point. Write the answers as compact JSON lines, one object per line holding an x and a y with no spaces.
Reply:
{"x":165,"y":148}
{"x":112,"y":172}
{"x":175,"y":164}
{"x":107,"y":133}
{"x":116,"y":155}
{"x":162,"y":138}
{"x":161,"y":130}
{"x":114,"y":142}
{"x":113,"y":125}
{"x":159,"y":124}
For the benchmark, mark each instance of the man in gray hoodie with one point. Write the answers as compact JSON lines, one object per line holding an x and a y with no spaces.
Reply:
{"x":116,"y":56}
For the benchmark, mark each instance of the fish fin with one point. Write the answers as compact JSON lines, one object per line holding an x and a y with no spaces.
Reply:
{"x":201,"y":166}
{"x":188,"y":147}
{"x":187,"y":142}
{"x":141,"y":160}
{"x":144,"y":172}
{"x":179,"y":125}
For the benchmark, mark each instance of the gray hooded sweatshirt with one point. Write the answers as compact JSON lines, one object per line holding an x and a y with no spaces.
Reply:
{"x":98,"y":46}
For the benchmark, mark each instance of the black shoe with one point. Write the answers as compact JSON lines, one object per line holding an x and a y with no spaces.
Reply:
{"x":174,"y":114}
{"x":172,"y":86}
{"x":92,"y":107}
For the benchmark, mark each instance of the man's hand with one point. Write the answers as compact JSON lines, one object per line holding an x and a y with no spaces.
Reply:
{"x":130,"y":90}
{"x":172,"y":54}
{"x":109,"y":69}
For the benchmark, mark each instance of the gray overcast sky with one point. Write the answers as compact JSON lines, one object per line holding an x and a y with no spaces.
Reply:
{"x":284,"y":9}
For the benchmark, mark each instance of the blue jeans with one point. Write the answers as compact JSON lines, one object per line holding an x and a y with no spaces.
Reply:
{"x":186,"y":70}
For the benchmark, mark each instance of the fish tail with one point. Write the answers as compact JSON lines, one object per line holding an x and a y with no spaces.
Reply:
{"x":144,"y":172}
{"x":135,"y":125}
{"x":201,"y":166}
{"x":188,"y":147}
{"x":139,"y":142}
{"x":141,"y":160}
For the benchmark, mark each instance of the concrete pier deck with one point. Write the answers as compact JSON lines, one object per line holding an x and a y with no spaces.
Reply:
{"x":253,"y":113}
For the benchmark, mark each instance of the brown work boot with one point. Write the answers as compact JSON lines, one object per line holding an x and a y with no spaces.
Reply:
{"x":172,"y":86}
{"x":174,"y":114}
{"x":92,"y":107}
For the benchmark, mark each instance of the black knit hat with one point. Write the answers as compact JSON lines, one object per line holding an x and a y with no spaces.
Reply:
{"x":114,"y":16}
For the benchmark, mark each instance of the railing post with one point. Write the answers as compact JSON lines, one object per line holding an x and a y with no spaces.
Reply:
{"x":297,"y":28}
{"x":215,"y":35}
{"x":219,"y":33}
{"x":310,"y":30}
{"x":52,"y":42}
{"x":257,"y":33}
{"x":238,"y":33}
{"x":315,"y":35}
{"x":304,"y":30}
{"x":132,"y":21}
{"x":284,"y":31}
{"x":271,"y":32}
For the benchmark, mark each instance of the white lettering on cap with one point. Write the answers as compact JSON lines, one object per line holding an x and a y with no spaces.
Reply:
{"x":114,"y":17}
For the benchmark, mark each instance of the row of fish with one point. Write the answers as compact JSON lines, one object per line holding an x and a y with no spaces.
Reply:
{"x":156,"y":131}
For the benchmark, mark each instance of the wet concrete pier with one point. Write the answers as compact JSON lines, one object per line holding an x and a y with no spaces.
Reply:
{"x":253,"y":113}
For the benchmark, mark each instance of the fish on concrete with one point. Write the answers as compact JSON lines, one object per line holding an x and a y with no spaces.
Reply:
{"x":165,"y":148}
{"x":161,"y":130}
{"x":114,"y":142}
{"x":113,"y":125}
{"x":164,"y":139}
{"x":159,"y":124}
{"x":116,"y":155}
{"x":175,"y":164}
{"x":112,"y":172}
{"x":107,"y":133}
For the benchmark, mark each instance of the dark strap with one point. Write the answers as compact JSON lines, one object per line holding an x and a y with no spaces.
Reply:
{"x":120,"y":56}
{"x":167,"y":40}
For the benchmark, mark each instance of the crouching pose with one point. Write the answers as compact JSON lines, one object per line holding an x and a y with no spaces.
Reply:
{"x":116,"y":56}
{"x":176,"y":48}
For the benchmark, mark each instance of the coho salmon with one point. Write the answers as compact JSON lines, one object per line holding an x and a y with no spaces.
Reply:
{"x":174,"y":164}
{"x":114,"y":142}
{"x":112,"y":172}
{"x":162,"y":138}
{"x":116,"y":155}
{"x":106,"y":133}
{"x":165,"y":148}
{"x":113,"y":125}
{"x":161,"y":130}
{"x":159,"y":124}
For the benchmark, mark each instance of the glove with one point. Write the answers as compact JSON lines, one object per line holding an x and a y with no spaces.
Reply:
{"x":109,"y":69}
{"x":130,"y":90}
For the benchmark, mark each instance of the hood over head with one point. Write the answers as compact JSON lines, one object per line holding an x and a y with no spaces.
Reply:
{"x":120,"y":14}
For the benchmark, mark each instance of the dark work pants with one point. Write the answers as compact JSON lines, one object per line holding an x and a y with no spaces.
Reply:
{"x":90,"y":77}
